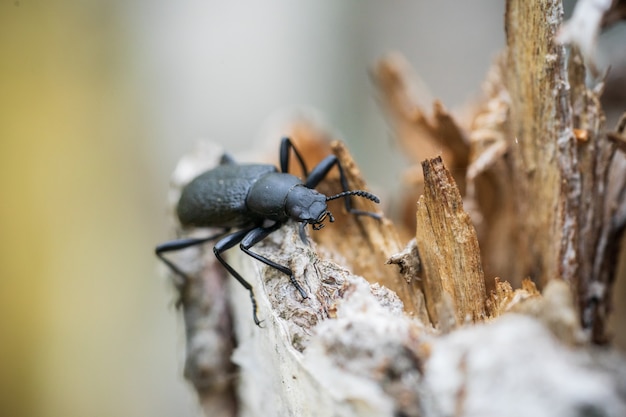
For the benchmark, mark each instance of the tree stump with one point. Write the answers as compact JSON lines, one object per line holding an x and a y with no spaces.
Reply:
{"x":498,"y":304}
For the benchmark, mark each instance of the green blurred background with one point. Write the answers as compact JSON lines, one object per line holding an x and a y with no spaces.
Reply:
{"x":98,"y":100}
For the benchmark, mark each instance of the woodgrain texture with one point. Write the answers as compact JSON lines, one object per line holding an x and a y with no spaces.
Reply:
{"x":560,"y":180}
{"x":448,"y":248}
{"x":532,"y":195}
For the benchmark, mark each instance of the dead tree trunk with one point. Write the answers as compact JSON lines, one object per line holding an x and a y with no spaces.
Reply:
{"x":428,"y":330}
{"x":560,"y":160}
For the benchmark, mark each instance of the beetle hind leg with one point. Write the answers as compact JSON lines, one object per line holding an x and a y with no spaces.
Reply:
{"x":180,"y":244}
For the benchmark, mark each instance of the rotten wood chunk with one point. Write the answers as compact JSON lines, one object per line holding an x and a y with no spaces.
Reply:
{"x":541,"y":150}
{"x":504,"y":299}
{"x":448,"y":248}
{"x":408,"y":261}
{"x":561,"y":184}
{"x":410,"y":268}
{"x":554,"y":307}
{"x":365,"y":361}
{"x":420,"y":135}
{"x":489,"y":200}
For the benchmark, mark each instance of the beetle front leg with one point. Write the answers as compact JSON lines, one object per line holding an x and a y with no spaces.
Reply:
{"x":257,"y":235}
{"x":225,"y":244}
{"x":319,"y":173}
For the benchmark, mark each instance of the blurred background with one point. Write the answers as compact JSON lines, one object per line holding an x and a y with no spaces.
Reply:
{"x":99,"y":99}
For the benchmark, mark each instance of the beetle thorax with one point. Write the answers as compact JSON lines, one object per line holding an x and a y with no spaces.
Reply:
{"x":306,"y":205}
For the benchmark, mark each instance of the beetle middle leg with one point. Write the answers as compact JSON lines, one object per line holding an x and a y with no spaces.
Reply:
{"x":257,"y":235}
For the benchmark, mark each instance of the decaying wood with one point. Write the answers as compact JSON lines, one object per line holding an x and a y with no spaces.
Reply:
{"x":489,"y":196}
{"x":545,"y":152}
{"x":350,"y":349}
{"x":523,"y":191}
{"x":324,"y":355}
{"x":537,"y":179}
{"x":419,"y":134}
{"x":474,"y":155}
{"x":504,"y":299}
{"x":560,"y":182}
{"x":448,"y":248}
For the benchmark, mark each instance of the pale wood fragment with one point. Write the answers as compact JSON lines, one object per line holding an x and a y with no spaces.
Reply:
{"x":420,"y":133}
{"x":448,"y":248}
{"x":489,"y":199}
{"x":541,"y":142}
{"x":516,"y":367}
{"x":504,"y":299}
{"x":554,"y":307}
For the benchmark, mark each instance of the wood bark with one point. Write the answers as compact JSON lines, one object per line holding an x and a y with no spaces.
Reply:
{"x":523,"y":191}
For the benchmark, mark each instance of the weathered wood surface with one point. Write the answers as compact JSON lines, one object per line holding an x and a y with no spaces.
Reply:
{"x":524,"y":191}
{"x":536,"y":175}
{"x":448,"y":248}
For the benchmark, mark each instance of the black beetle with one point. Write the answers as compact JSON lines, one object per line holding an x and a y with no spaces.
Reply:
{"x":257,"y":200}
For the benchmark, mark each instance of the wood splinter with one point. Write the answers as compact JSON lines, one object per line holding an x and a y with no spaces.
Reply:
{"x":448,"y":248}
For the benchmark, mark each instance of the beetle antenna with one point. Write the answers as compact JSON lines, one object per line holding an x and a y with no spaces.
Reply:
{"x":358,"y":193}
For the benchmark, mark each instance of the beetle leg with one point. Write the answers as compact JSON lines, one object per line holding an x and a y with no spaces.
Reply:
{"x":302,"y":233}
{"x":319,"y":173}
{"x":179,"y":244}
{"x":227,"y":159}
{"x":285,"y":146}
{"x":257,"y":235}
{"x":225,"y":244}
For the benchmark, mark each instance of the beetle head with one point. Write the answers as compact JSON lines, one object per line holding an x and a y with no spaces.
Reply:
{"x":306,"y":205}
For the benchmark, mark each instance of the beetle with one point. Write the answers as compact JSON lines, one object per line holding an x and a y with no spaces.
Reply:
{"x":257,"y":200}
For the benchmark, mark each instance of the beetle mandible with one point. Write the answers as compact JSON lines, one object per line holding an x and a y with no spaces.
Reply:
{"x":256,"y":200}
